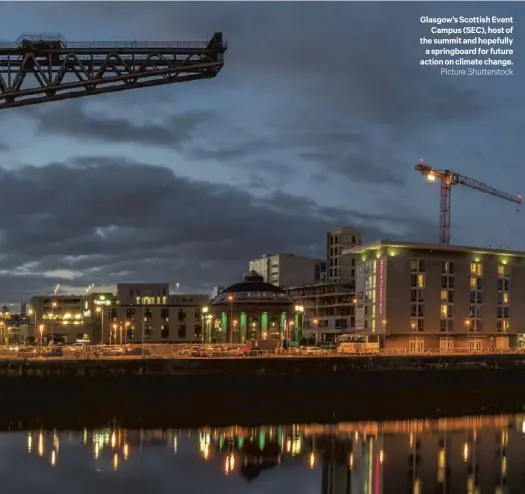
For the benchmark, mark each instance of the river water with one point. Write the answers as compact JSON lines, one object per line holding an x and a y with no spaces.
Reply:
{"x":456,"y":455}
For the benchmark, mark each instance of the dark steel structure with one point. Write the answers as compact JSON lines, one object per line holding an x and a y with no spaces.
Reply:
{"x":40,"y":68}
{"x":448,"y":179}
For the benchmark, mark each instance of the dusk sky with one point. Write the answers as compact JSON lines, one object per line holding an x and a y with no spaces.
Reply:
{"x":316,"y":120}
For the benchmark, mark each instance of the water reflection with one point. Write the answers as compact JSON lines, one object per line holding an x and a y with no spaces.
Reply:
{"x":470,"y":454}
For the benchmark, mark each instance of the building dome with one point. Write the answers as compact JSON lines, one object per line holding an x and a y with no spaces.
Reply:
{"x":253,"y":289}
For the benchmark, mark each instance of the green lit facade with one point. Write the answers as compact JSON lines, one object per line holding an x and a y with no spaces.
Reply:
{"x":252,"y":310}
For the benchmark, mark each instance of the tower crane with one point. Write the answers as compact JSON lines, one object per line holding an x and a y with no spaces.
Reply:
{"x":448,"y":179}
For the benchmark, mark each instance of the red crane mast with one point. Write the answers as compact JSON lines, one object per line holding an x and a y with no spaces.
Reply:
{"x":448,"y":179}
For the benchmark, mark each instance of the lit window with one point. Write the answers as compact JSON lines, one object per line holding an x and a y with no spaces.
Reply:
{"x":444,"y":311}
{"x":506,"y":298}
{"x":473,"y":283}
{"x":476,"y":269}
{"x":443,"y":295}
{"x":506,"y":325}
{"x":421,"y":281}
{"x":441,"y":459}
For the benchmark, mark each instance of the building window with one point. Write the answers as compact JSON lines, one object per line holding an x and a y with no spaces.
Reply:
{"x":476,"y":269}
{"x":447,"y":267}
{"x":197,"y":331}
{"x":421,"y":281}
{"x":417,"y":324}
{"x":182,"y":315}
{"x":503,"y":286}
{"x":165,"y":315}
{"x":148,"y":330}
{"x":474,"y":322}
{"x":503,"y":271}
{"x":164,"y":331}
{"x":181,"y":332}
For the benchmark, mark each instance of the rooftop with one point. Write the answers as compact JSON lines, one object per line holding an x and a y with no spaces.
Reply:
{"x":252,"y":289}
{"x":381,"y":244}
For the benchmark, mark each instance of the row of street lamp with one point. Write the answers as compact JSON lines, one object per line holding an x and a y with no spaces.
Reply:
{"x":99,"y":310}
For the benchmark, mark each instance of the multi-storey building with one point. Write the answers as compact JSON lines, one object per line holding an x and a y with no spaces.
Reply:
{"x":285,"y":270}
{"x":423,"y":296}
{"x":66,"y":317}
{"x":139,"y":312}
{"x":329,"y":307}
{"x":341,"y":269}
{"x":148,"y":312}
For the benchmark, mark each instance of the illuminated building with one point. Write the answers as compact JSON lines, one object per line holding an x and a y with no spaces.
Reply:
{"x":139,"y":312}
{"x":148,"y":312}
{"x":67,"y":318}
{"x":252,"y":310}
{"x":435,"y":297}
{"x":329,"y":307}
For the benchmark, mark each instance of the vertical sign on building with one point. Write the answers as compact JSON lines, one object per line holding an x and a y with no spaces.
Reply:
{"x":360,"y":297}
{"x":381,"y":296}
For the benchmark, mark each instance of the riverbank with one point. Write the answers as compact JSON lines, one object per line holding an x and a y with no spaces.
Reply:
{"x":193,"y":392}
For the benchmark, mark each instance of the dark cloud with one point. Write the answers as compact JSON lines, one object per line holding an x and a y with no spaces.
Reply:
{"x":75,"y":120}
{"x":350,"y":68}
{"x":103,"y":221}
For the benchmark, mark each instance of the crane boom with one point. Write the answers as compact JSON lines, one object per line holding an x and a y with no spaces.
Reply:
{"x":448,"y":179}
{"x":476,"y":185}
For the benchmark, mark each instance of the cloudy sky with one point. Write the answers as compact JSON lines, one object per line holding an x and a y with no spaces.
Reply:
{"x":315,"y":121}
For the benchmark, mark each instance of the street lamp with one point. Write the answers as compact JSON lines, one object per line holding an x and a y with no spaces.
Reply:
{"x":209,"y":317}
{"x":41,"y":328}
{"x":32,"y":312}
{"x":53,"y":307}
{"x":299,"y":330}
{"x":127,"y":325}
{"x":100,"y":311}
{"x":230,"y":339}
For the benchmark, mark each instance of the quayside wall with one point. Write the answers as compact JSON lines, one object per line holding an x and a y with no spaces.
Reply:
{"x":194,"y":392}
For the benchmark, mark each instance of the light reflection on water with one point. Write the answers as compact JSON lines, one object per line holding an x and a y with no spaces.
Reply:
{"x":469,"y":454}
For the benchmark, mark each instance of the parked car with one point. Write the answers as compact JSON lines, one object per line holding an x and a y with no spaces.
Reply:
{"x":109,"y":351}
{"x":28,"y":351}
{"x":137,"y":351}
{"x":54,"y":352}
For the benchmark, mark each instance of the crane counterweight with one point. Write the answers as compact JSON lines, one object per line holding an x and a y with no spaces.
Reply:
{"x":448,"y":179}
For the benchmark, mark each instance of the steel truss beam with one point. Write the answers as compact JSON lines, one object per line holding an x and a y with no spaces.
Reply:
{"x":60,"y":70}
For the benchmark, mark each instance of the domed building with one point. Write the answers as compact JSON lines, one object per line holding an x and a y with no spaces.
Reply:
{"x":252,"y":310}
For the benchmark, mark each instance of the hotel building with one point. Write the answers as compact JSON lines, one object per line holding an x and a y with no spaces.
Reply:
{"x":434,"y":297}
